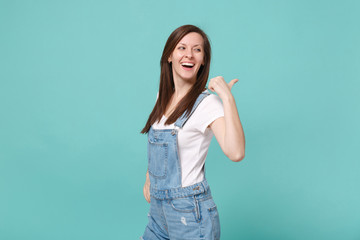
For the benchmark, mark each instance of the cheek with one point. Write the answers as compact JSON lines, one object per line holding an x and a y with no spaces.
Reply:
{"x":202,"y":61}
{"x":176,"y":54}
{"x":201,"y":58}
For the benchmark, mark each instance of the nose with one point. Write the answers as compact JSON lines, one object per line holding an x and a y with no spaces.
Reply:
{"x":188,"y":53}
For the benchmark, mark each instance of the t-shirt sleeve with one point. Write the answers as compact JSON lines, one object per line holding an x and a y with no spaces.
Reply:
{"x":210,"y":109}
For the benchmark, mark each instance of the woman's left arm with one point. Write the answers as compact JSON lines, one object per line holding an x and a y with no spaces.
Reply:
{"x":228,"y":130}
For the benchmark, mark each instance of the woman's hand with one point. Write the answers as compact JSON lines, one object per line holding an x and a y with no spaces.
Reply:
{"x":146,"y":188}
{"x":223,"y":89}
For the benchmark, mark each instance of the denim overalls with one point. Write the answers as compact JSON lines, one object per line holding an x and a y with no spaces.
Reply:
{"x":177,"y":212}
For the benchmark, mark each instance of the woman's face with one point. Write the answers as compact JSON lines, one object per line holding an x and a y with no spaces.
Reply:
{"x":187,"y":57}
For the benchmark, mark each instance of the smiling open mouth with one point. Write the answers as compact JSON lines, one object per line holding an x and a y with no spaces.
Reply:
{"x":188,"y":65}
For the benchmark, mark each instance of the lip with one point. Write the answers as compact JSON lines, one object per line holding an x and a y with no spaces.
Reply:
{"x":187,"y":69}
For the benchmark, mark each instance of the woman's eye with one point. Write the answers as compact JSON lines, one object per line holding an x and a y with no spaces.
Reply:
{"x":198,"y":49}
{"x":181,"y":48}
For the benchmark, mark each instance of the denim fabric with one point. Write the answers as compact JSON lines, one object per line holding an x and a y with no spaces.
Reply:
{"x":177,"y":212}
{"x":192,"y":217}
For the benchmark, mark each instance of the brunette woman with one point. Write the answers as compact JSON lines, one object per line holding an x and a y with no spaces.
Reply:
{"x":180,"y":127}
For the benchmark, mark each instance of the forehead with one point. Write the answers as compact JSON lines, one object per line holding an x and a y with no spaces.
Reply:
{"x":192,"y":39}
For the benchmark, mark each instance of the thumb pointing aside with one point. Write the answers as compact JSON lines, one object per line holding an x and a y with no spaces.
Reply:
{"x":232,"y":82}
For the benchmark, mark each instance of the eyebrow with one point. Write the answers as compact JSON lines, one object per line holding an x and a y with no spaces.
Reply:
{"x":193,"y":46}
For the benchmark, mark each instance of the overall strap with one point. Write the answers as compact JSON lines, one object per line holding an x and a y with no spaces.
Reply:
{"x":180,"y":122}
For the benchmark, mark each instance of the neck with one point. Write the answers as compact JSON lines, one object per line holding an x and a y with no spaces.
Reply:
{"x":182,"y":87}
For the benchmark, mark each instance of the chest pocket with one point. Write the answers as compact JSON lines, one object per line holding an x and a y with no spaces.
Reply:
{"x":158,"y":158}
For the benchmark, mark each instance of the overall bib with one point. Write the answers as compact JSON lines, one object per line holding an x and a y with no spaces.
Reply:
{"x":177,"y":212}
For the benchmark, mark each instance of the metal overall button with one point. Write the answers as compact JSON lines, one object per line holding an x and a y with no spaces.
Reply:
{"x":173,"y":132}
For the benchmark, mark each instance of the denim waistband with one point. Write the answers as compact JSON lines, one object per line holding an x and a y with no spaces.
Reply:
{"x":194,"y":189}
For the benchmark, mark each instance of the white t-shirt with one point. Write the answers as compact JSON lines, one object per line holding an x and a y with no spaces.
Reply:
{"x":194,"y":138}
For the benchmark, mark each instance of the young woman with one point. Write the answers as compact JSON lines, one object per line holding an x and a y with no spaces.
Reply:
{"x":180,"y":127}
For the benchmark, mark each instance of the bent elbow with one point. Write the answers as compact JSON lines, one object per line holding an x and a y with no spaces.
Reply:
{"x":237,"y":157}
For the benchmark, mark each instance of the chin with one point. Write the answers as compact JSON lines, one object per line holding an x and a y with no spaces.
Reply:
{"x":189,"y":79}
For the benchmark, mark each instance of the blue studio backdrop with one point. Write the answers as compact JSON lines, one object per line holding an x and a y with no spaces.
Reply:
{"x":78,"y":80}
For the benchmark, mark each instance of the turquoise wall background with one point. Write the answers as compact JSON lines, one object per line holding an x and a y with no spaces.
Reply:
{"x":78,"y":80}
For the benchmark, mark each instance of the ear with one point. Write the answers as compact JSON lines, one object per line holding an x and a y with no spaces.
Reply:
{"x":169,"y":59}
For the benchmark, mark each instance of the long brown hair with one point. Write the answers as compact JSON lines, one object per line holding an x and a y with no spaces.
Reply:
{"x":166,"y":87}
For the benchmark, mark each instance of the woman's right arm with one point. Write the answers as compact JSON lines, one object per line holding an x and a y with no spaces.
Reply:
{"x":146,"y":189}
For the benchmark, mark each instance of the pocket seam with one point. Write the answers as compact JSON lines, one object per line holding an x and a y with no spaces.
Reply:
{"x":214,"y":220}
{"x":212,"y":208}
{"x":180,"y":210}
{"x":165,"y":160}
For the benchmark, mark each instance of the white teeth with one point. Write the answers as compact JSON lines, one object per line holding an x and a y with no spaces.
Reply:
{"x":188,"y":64}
